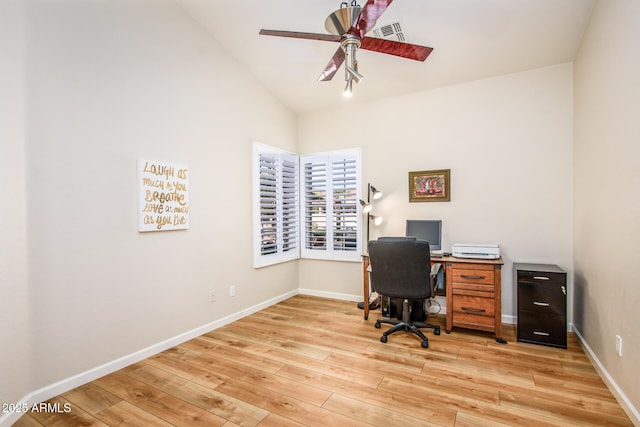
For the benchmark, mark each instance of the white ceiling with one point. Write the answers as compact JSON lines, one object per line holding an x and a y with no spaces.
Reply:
{"x":472,"y":39}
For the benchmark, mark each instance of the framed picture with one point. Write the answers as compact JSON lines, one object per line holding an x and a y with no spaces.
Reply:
{"x":430,"y":186}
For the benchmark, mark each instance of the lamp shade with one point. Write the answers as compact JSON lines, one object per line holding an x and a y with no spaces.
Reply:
{"x":375,"y":193}
{"x":366,"y":207}
{"x":377,"y":220}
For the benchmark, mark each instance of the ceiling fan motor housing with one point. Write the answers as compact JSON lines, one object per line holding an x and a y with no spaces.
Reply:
{"x":342,"y":19}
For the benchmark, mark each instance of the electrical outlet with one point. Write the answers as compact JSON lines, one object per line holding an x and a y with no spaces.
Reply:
{"x":619,"y":345}
{"x":232,"y":291}
{"x":212,"y":295}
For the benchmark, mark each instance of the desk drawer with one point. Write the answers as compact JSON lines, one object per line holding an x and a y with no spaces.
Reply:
{"x":473,"y":277}
{"x":480,"y":309}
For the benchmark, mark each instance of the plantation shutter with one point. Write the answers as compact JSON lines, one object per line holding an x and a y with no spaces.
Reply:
{"x":315,"y":206}
{"x":276,"y":196}
{"x":268,"y":204}
{"x":331,"y":221}
{"x":290,"y":204}
{"x":345,"y":204}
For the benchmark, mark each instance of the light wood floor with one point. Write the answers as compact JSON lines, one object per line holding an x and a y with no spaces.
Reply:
{"x":311,"y":361}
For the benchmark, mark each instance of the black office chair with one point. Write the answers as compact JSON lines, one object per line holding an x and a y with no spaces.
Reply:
{"x":400,"y":268}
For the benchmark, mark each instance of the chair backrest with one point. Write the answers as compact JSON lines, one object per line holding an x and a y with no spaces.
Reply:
{"x":400,"y":267}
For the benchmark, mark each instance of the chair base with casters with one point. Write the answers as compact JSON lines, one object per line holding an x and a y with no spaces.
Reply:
{"x":407,"y":325}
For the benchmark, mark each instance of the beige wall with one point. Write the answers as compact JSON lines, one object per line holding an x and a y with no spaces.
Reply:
{"x":507,"y":141}
{"x":105,"y":83}
{"x":88,"y":88}
{"x":14,"y":328}
{"x":606,"y":195}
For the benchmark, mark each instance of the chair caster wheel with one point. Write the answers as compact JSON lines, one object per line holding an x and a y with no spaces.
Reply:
{"x":425,"y":344}
{"x":436,"y":331}
{"x":383,"y":338}
{"x":377,"y":324}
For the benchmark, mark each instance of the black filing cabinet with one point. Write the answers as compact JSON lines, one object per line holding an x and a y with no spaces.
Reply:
{"x":542,"y":304}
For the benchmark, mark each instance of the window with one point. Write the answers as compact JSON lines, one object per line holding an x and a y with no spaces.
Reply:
{"x":330,"y":217}
{"x":277,"y":205}
{"x":319,"y":191}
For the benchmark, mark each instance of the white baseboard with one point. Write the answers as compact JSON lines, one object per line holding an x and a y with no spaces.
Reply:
{"x":332,"y":295}
{"x":626,"y":404}
{"x":85,"y":377}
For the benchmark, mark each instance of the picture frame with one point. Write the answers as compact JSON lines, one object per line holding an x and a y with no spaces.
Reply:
{"x":430,"y":186}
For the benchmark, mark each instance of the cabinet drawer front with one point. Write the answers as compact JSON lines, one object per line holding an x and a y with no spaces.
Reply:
{"x":542,"y":277}
{"x":542,"y":299}
{"x":547,"y":330}
{"x":474,"y":305}
{"x":476,"y":276}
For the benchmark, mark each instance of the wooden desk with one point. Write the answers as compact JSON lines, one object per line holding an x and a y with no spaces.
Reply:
{"x":473,"y":292}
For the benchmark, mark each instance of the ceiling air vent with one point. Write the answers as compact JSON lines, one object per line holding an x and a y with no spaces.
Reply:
{"x":390,"y":32}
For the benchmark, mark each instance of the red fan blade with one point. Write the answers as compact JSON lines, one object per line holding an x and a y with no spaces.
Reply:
{"x":369,"y":16}
{"x":299,"y":35}
{"x":332,"y":67}
{"x":391,"y":47}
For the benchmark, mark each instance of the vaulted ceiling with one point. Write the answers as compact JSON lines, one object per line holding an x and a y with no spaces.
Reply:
{"x":472,"y":39}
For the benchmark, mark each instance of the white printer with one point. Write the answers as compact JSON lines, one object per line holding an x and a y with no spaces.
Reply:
{"x":475,"y":250}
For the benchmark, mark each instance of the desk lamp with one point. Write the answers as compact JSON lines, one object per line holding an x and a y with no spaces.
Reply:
{"x":372,"y":194}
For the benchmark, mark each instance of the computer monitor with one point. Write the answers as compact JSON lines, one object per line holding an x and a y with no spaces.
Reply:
{"x":426,"y":229}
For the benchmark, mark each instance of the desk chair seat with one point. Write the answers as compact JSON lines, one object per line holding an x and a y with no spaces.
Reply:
{"x":401,"y":268}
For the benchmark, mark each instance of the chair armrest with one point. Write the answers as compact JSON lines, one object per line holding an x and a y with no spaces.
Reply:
{"x":435,"y":268}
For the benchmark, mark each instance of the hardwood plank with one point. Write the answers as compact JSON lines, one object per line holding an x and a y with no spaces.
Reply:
{"x":576,"y":411}
{"x":372,"y":414}
{"x":275,"y":420}
{"x":469,"y":420}
{"x":416,"y":406}
{"x":210,"y":400}
{"x":162,"y":405}
{"x":55,"y":413}
{"x":192,"y":372}
{"x":235,"y":367}
{"x":575,"y":384}
{"x":311,"y":361}
{"x":474,"y":370}
{"x":124,"y":413}
{"x":26,"y":421}
{"x":289,"y":407}
{"x":286,"y":349}
{"x":275,"y":383}
{"x":91,"y":398}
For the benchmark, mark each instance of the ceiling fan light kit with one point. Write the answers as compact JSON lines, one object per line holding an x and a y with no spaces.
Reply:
{"x":348,"y":26}
{"x":350,"y":45}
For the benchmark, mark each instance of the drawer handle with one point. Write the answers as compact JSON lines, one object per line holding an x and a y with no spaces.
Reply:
{"x":474,"y":310}
{"x":564,"y":289}
{"x":541,"y":304}
{"x":466,"y":276}
{"x":540,"y":277}
{"x":544,"y":334}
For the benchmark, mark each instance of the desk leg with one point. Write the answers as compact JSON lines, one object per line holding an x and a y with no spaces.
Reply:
{"x":365,"y":277}
{"x":448,"y":282}
{"x":498,"y":304}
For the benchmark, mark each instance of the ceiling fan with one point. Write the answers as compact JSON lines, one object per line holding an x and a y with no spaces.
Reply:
{"x":348,"y":26}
